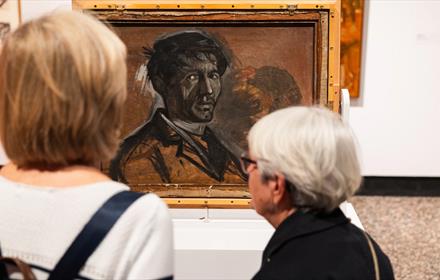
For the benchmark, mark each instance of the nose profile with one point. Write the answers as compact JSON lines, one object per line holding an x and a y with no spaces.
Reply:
{"x":207,"y":85}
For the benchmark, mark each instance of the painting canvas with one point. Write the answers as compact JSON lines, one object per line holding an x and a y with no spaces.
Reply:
{"x":195,"y":93}
{"x":198,"y":81}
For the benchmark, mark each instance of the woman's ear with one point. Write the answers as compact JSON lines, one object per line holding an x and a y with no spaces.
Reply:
{"x":278,"y":188}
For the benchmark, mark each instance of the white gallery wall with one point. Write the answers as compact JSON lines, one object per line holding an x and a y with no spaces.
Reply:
{"x":397,"y":119}
{"x":34,"y":8}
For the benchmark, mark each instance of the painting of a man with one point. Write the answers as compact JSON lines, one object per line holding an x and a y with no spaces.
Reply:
{"x":175,"y":144}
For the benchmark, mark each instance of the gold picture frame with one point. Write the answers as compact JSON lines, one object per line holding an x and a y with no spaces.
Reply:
{"x":229,"y":21}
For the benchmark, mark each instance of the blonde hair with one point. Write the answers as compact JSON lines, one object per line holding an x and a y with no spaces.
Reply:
{"x":62,"y":88}
{"x":313,"y":149}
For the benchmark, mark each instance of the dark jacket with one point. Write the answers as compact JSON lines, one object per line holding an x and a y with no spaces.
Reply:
{"x":318,"y":246}
{"x":161,"y":152}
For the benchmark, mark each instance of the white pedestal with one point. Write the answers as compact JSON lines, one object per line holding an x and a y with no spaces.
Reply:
{"x":223,"y":243}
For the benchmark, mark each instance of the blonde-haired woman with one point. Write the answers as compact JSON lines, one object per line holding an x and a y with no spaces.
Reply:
{"x":301,"y":165}
{"x":62,"y":88}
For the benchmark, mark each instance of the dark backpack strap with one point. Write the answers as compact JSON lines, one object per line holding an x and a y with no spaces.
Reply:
{"x":92,"y":234}
{"x":3,"y":272}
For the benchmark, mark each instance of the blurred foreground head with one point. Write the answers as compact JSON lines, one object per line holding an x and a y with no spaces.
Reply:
{"x":62,"y":88}
{"x":314,"y":152}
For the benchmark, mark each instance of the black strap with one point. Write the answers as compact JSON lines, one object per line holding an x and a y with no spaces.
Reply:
{"x":3,"y":271}
{"x":92,"y":234}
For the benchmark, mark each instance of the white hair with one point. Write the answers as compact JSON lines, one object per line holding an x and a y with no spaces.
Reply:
{"x":313,"y":149}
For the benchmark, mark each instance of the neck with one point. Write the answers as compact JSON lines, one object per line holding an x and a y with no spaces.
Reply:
{"x":70,"y":176}
{"x":276,"y":219}
{"x":193,"y":128}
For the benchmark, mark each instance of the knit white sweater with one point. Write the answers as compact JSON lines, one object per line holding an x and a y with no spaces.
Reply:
{"x":37,"y":224}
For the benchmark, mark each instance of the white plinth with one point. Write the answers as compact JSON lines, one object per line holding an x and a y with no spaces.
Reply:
{"x":223,"y":243}
{"x":219,"y":243}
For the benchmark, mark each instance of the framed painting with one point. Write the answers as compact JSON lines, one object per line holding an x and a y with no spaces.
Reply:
{"x":9,"y":16}
{"x":200,"y":75}
{"x":352,"y":12}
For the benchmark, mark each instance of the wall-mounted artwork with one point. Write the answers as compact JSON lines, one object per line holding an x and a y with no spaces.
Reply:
{"x":9,"y":16}
{"x":351,"y":44}
{"x":197,"y":81}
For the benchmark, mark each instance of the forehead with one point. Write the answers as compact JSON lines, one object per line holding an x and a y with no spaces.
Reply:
{"x":197,"y":61}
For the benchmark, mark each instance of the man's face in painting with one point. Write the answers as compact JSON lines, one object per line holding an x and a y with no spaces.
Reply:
{"x":193,"y":91}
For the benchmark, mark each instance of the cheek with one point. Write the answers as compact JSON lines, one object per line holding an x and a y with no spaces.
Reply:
{"x":253,"y":190}
{"x":187,"y":90}
{"x":260,"y":195}
{"x":258,"y":204}
{"x":216,"y":88}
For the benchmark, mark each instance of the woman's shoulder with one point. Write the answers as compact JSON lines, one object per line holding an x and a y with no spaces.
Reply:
{"x":148,"y":203}
{"x":142,"y":234}
{"x":149,"y":212}
{"x":151,"y":209}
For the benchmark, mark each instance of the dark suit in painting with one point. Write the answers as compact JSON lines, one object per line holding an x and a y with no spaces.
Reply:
{"x":160,"y":151}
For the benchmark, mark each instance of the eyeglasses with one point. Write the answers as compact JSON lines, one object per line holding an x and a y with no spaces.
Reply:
{"x":245,"y":162}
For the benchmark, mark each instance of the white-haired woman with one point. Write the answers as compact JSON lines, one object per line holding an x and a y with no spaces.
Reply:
{"x":302,"y":164}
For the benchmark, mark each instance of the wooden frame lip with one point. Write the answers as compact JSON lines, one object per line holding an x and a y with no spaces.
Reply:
{"x":202,"y":5}
{"x":208,"y":203}
{"x":213,"y":18}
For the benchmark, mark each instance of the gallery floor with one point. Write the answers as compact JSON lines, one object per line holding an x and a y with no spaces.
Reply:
{"x":408,"y":230}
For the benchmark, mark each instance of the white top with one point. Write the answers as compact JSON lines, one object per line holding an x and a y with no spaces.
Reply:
{"x":37,"y":225}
